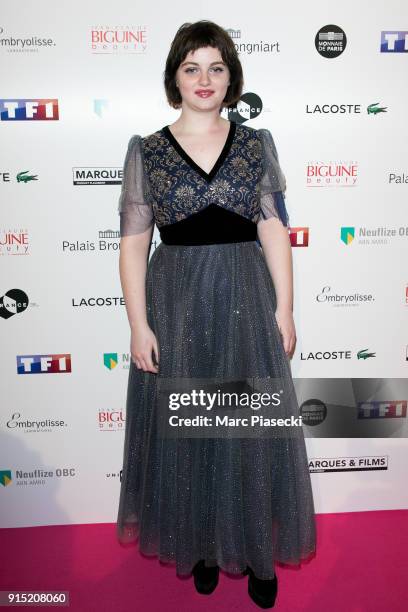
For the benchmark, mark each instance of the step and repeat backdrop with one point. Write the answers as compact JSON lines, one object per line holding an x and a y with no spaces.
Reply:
{"x":77,"y":81}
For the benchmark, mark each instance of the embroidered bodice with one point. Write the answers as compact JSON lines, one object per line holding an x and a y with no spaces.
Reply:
{"x":162,"y":184}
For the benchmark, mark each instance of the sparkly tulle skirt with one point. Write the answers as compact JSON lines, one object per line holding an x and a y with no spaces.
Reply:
{"x":232,"y":501}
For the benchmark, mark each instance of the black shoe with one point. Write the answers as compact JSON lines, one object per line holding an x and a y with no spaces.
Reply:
{"x":262,"y":592}
{"x":205,"y":578}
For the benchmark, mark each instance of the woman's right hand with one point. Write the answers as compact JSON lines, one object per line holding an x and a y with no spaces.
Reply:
{"x":142,"y":343}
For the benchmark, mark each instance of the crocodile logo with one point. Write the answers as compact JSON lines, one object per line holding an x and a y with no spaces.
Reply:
{"x":23,"y":177}
{"x":374,"y":109}
{"x":363,"y":355}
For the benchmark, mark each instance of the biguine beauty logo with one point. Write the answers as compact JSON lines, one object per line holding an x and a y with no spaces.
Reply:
{"x":14,"y":241}
{"x":333,"y":173}
{"x":108,"y":39}
{"x":111,"y":420}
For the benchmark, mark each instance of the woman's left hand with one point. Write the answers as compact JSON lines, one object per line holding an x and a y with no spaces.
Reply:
{"x":286,"y":324}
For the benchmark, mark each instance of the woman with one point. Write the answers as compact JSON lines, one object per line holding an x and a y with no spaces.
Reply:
{"x":210,"y":305}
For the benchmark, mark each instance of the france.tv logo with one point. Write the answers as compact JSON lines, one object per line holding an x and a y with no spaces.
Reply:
{"x":44,"y":364}
{"x":394,"y":41}
{"x":29,"y":109}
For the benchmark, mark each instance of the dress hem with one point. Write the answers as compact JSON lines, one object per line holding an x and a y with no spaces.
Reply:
{"x":303,"y":557}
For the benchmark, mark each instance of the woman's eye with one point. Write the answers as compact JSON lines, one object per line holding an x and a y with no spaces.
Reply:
{"x":216,"y":69}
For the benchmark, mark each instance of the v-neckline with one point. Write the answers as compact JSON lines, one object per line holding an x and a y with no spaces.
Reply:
{"x":208,"y":176}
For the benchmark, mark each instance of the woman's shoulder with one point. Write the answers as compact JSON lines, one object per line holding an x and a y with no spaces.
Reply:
{"x":153,"y":140}
{"x":137,"y":143}
{"x":260,"y":134}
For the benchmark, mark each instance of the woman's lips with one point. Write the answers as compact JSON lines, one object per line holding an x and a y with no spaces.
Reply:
{"x":204,"y":94}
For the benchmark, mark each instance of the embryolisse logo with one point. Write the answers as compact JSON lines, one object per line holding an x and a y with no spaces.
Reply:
{"x":33,"y":425}
{"x":29,"y":44}
{"x":326,"y":296}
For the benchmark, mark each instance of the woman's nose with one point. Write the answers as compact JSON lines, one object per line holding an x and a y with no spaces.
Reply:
{"x":204,"y":79}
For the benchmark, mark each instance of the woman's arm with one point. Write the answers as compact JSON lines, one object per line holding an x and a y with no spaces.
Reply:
{"x":133,"y":258}
{"x":277,"y":250}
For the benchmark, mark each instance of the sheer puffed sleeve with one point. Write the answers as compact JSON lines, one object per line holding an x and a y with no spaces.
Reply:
{"x":272,"y":185}
{"x":135,"y":210}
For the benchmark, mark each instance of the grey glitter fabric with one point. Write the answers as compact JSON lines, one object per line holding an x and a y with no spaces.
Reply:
{"x":232,"y":502}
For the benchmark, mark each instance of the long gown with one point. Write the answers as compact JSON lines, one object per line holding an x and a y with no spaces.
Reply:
{"x":232,"y":500}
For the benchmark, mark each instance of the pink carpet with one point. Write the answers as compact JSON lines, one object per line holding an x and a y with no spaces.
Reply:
{"x":361,"y":565}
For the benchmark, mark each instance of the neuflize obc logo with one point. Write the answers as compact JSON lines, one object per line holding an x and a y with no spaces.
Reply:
{"x":44,"y":364}
{"x":29,"y":109}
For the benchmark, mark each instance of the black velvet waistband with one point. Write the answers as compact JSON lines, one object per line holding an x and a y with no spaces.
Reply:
{"x":212,"y":225}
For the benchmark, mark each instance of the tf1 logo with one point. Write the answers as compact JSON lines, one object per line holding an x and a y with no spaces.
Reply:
{"x":29,"y":109}
{"x":383,"y":410}
{"x":44,"y":364}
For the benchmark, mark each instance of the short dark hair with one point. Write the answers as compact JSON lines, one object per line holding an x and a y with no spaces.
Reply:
{"x":192,"y":36}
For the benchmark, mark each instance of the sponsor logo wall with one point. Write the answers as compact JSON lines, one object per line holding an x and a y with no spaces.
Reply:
{"x":74,"y":90}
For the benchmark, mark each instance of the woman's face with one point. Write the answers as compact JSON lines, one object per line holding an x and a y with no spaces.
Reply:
{"x":203,"y":79}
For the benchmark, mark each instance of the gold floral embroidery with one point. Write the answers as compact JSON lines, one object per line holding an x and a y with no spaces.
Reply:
{"x":178,"y":190}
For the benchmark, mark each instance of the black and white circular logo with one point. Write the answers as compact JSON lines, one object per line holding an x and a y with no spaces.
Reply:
{"x":313,"y":412}
{"x":330,"y":41}
{"x":13,"y":302}
{"x":248,"y":107}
